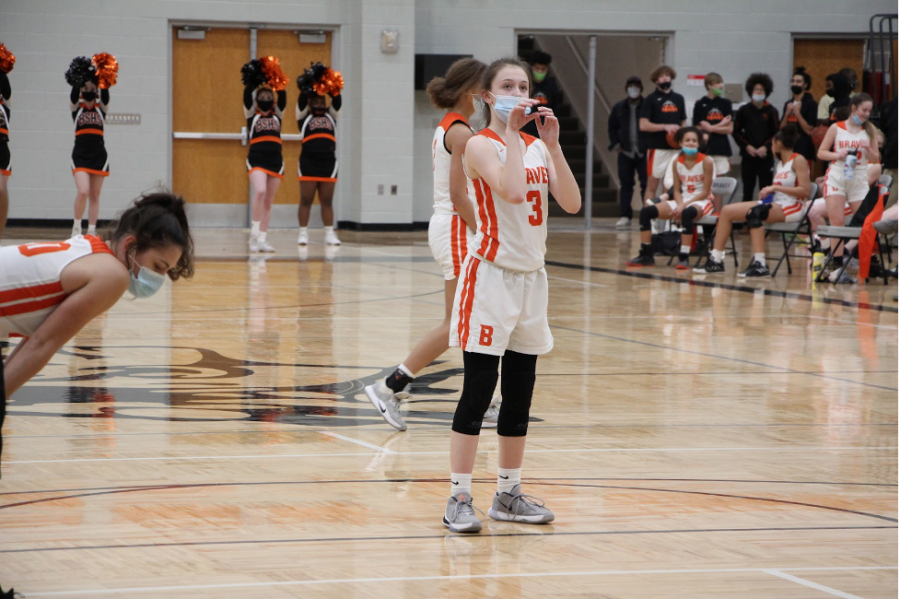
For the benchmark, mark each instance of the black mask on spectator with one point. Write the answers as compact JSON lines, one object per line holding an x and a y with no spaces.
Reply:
{"x":796,"y":89}
{"x":830,"y":92}
{"x":265,"y":105}
{"x":664,"y":85}
{"x":89,"y":96}
{"x":318,"y":110}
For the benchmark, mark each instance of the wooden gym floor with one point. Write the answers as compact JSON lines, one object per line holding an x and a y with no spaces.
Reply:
{"x":696,"y":437}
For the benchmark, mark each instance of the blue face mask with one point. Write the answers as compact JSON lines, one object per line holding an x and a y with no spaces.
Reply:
{"x":504,"y":104}
{"x":145,"y":283}
{"x":858,"y":121}
{"x":689,"y":151}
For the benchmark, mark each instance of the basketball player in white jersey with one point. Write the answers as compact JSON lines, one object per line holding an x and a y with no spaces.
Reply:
{"x":790,"y":187}
{"x":49,"y":291}
{"x":500,"y":306}
{"x":856,"y":134}
{"x":450,"y":229}
{"x":692,"y":176}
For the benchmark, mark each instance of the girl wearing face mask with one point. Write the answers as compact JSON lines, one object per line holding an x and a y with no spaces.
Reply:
{"x":450,"y":229}
{"x":264,"y":160}
{"x":318,"y":165}
{"x":855,"y":135}
{"x":90,"y":163}
{"x":500,"y":306}
{"x":755,"y":124}
{"x":662,"y":114}
{"x":49,"y":291}
{"x":788,"y":190}
{"x":693,"y":173}
{"x":800,"y":111}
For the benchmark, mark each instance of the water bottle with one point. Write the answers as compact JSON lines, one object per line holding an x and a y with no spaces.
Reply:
{"x":768,"y":199}
{"x":818,"y":265}
{"x":850,"y":165}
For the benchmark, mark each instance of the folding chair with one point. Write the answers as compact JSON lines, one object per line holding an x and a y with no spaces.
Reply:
{"x":845,"y":234}
{"x":727,"y":188}
{"x":790,"y":231}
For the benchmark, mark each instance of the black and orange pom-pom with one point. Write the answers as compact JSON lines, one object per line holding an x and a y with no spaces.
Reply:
{"x":275,"y":77}
{"x":331,"y":82}
{"x":252,"y":74}
{"x":80,"y":70}
{"x":7,"y":59}
{"x":107,"y":69}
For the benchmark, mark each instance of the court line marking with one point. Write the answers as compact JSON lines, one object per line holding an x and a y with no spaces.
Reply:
{"x":577,"y":281}
{"x":718,"y":357}
{"x":358,"y":442}
{"x":447,"y":452}
{"x":442,"y":535}
{"x":280,"y":583}
{"x":811,"y":584}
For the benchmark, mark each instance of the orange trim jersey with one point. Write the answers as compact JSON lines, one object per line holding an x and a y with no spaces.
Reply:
{"x":692,"y":179}
{"x":845,"y":140}
{"x":30,"y":287}
{"x":89,"y":124}
{"x":514,"y":236}
{"x":440,"y":164}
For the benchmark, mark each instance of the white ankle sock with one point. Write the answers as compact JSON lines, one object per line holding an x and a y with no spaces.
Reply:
{"x":761,"y":258}
{"x":262,"y":238}
{"x":402,"y":368}
{"x":507,"y":478}
{"x":254,"y":228}
{"x":76,"y":225}
{"x":460,"y":483}
{"x":304,"y":230}
{"x":685,"y":249}
{"x":329,"y":230}
{"x":718,"y":255}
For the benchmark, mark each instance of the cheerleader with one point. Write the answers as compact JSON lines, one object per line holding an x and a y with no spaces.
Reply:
{"x":49,"y":291}
{"x":318,"y":167}
{"x":500,"y":306}
{"x":88,"y":102}
{"x":449,"y":231}
{"x":6,"y":62}
{"x":264,"y":161}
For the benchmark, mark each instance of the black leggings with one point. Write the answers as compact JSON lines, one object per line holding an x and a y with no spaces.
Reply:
{"x":479,"y":383}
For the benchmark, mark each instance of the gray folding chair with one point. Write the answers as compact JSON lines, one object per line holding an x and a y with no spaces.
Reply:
{"x":846,"y":233}
{"x":726,"y":187}
{"x":790,"y":231}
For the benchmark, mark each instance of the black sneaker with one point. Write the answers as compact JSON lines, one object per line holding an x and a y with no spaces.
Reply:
{"x":711,"y":267}
{"x":756,"y":269}
{"x":683,"y":263}
{"x":642,"y":259}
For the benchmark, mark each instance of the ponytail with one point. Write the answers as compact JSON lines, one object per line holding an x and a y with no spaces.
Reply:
{"x":463,"y":75}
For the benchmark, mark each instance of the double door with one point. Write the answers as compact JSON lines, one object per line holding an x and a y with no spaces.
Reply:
{"x":209,"y":148}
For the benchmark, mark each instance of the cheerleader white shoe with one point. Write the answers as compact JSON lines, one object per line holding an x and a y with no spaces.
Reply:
{"x":331,"y":238}
{"x":254,"y":243}
{"x":265,"y":246}
{"x":303,"y":238}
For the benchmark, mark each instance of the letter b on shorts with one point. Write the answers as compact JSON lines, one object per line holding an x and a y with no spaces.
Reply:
{"x":487,"y":335}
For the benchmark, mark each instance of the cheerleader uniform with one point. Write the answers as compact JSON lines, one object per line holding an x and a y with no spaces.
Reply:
{"x":89,"y":154}
{"x":501,"y":299}
{"x":786,"y":177}
{"x":318,"y":161}
{"x":30,"y":287}
{"x":265,"y":135}
{"x":5,"y":93}
{"x":448,"y":235}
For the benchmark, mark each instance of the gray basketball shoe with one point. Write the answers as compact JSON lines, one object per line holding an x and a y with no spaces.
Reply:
{"x":460,"y":514}
{"x":516,"y":507}
{"x":386,"y":403}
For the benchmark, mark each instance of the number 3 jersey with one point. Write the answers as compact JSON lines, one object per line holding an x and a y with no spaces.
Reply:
{"x":514,"y":236}
{"x":30,"y":287}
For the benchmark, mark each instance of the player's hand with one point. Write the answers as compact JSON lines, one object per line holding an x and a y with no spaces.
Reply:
{"x":517,"y":116}
{"x":766,"y":191}
{"x":549,"y":130}
{"x":842,"y":154}
{"x":672,"y":128}
{"x":705,"y":126}
{"x":676,"y":212}
{"x":726,"y":120}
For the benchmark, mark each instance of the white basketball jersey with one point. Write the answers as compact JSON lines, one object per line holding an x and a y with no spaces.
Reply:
{"x":440,"y":155}
{"x":692,"y":179}
{"x":785,"y":177}
{"x":30,"y":287}
{"x":845,"y":140}
{"x":514,"y":236}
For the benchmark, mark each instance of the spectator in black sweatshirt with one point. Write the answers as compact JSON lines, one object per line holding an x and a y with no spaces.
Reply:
{"x":662,"y":114}
{"x":544,"y":88}
{"x":801,"y":110}
{"x":754,"y":127}
{"x":625,"y":139}
{"x":712,"y":115}
{"x":888,"y":123}
{"x":841,"y":86}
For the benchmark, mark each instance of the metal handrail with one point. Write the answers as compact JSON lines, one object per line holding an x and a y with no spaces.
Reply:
{"x":584,"y":67}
